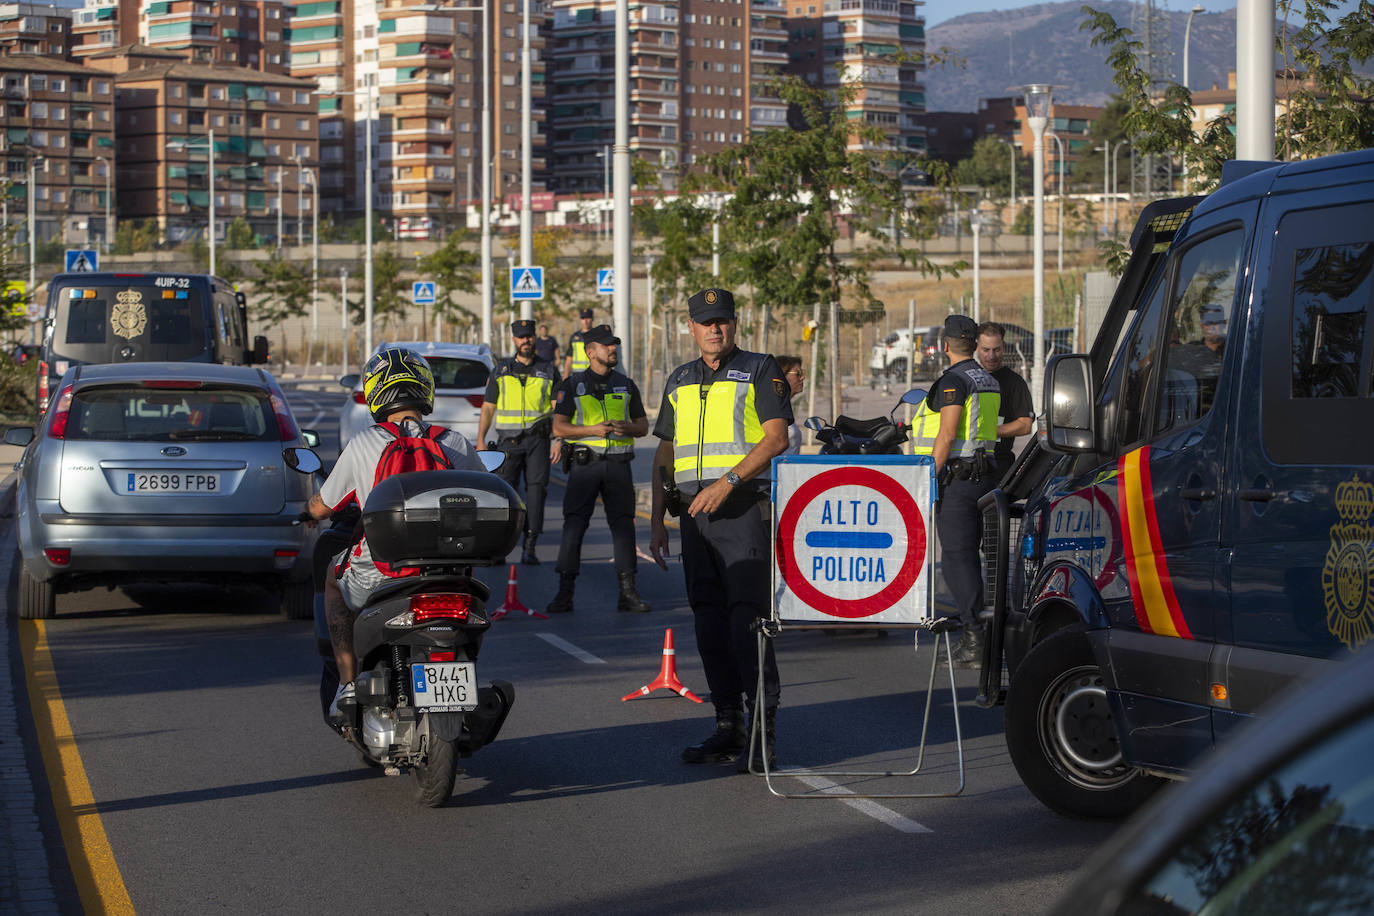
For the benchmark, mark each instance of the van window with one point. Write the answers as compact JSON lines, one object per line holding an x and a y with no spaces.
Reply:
{"x":1135,"y":369}
{"x":1331,"y":293}
{"x":1201,"y":316}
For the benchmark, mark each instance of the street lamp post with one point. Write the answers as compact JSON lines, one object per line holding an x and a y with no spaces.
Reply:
{"x":343,"y":301}
{"x":109,"y":231}
{"x":1039,"y":104}
{"x":367,"y":212}
{"x":1106,"y":150}
{"x":281,"y":174}
{"x":314,"y":244}
{"x":1059,"y":149}
{"x":975,"y":221}
{"x":33,"y":235}
{"x":526,"y":153}
{"x":1116,"y":185}
{"x":1011,"y":148}
{"x":210,"y":148}
{"x":1187,"y":35}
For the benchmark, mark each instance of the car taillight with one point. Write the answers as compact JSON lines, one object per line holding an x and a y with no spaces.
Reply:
{"x":436,"y":607}
{"x":57,"y":427}
{"x":286,"y":426}
{"x":476,"y":400}
{"x":284,"y":559}
{"x":358,"y":398}
{"x":443,"y":655}
{"x":172,"y":383}
{"x":42,"y":385}
{"x":58,"y":556}
{"x":930,"y":351}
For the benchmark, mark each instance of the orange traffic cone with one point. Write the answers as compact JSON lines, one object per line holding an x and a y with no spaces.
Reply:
{"x":512,"y":602}
{"x":667,"y":675}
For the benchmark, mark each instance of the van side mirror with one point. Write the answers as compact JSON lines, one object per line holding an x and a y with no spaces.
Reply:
{"x":1069,"y":403}
{"x":19,"y":435}
{"x":260,"y":354}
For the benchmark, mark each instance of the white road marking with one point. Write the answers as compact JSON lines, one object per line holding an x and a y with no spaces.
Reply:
{"x":581,"y":655}
{"x":866,"y":806}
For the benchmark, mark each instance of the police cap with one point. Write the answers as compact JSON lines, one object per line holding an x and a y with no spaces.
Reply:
{"x":960,"y":327}
{"x":522,"y":328}
{"x":601,"y":334}
{"x":711,"y":304}
{"x":585,"y":313}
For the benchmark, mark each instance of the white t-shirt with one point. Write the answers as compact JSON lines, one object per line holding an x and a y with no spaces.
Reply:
{"x":356,"y":469}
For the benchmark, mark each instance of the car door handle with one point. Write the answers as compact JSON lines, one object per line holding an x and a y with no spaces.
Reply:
{"x":1198,"y":493}
{"x":1258,"y":495}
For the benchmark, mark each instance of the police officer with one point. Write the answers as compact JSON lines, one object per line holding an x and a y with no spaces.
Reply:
{"x":1016,"y":408}
{"x":519,"y":398}
{"x":600,"y":414}
{"x":723,"y":419}
{"x":576,"y":358}
{"x":957,"y":425}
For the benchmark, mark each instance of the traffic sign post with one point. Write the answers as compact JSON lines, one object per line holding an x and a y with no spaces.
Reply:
{"x":422,"y":292}
{"x":82,"y":260}
{"x":605,"y":281}
{"x":526,"y":283}
{"x":853,"y":542}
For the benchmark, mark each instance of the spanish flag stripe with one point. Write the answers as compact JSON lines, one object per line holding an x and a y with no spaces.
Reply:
{"x":1149,"y":587}
{"x":1166,"y":582}
{"x":1124,"y":479}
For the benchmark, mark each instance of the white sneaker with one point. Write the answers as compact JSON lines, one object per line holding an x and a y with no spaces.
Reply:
{"x":345,"y":691}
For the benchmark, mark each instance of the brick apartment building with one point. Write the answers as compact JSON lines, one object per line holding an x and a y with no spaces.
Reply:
{"x":1006,"y":118}
{"x":243,"y":33}
{"x":35,"y":28}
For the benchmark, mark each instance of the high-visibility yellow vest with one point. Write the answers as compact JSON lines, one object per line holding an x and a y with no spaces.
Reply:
{"x":521,"y":399}
{"x":716,"y":423}
{"x":977,"y":424}
{"x":579,"y":353}
{"x":592,"y":405}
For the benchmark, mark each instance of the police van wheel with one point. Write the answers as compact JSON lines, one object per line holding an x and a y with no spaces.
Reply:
{"x":1061,"y":736}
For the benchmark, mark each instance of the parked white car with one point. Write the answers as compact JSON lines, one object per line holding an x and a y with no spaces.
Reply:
{"x":460,"y":372}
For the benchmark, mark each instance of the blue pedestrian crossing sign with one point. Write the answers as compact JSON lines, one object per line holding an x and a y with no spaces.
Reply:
{"x":85,"y":260}
{"x":605,"y":280}
{"x":527,"y":283}
{"x":422,"y":292}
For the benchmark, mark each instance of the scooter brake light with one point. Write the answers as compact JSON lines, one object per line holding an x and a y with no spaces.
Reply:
{"x":442,"y":655}
{"x":433,"y":607}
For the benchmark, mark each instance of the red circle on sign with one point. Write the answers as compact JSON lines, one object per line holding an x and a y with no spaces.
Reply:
{"x":911,"y":563}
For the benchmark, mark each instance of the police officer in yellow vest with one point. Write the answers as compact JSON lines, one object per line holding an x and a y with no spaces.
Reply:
{"x":957,"y":425}
{"x":723,"y":420}
{"x":519,"y":405}
{"x":599,"y":414}
{"x":576,"y":360}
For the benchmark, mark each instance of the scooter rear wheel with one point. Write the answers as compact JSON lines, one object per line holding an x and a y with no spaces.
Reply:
{"x":435,"y":777}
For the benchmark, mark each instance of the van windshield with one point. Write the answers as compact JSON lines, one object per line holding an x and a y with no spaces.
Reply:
{"x":101,"y":322}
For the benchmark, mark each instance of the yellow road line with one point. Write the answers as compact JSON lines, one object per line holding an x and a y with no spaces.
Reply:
{"x":92,"y":860}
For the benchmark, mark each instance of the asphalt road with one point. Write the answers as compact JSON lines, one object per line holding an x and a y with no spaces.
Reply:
{"x":195,"y":715}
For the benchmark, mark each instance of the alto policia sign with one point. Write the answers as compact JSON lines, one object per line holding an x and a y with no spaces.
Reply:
{"x":853,"y":538}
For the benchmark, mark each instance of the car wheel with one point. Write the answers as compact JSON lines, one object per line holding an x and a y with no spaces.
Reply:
{"x":1061,"y":737}
{"x":896,"y":370}
{"x":37,"y":600}
{"x":298,"y":600}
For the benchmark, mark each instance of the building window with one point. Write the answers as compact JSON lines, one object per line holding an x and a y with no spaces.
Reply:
{"x":302,"y":124}
{"x":38,"y":110}
{"x":38,"y":83}
{"x":59,"y":85}
{"x":216,"y":93}
{"x":175,"y":117}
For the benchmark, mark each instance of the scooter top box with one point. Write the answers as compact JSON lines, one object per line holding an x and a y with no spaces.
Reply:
{"x":468,"y":517}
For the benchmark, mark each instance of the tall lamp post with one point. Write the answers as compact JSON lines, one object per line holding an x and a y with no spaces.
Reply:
{"x":1116,"y":184}
{"x":1059,"y":189}
{"x":1039,"y":105}
{"x":975,"y":222}
{"x":487,"y":291}
{"x":1106,"y":150}
{"x":526,"y":154}
{"x":367,"y":213}
{"x":33,"y":235}
{"x":109,"y":226}
{"x":1187,"y":35}
{"x":281,"y":204}
{"x":314,"y":244}
{"x":209,"y":145}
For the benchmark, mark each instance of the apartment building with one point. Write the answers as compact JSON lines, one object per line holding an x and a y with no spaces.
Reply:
{"x":35,"y":28}
{"x":875,"y":46}
{"x":246,"y":33}
{"x":419,"y":72}
{"x":59,"y":117}
{"x":264,"y":128}
{"x":699,"y":75}
{"x":1005,"y":117}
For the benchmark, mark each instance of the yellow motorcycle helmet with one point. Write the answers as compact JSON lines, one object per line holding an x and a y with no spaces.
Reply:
{"x":397,"y":378}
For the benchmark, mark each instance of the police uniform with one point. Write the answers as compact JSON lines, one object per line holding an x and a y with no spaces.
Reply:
{"x":523,"y":395}
{"x":598,"y":467}
{"x":714,"y":418}
{"x":1015,"y":404}
{"x":577,"y":347}
{"x":967,"y":475}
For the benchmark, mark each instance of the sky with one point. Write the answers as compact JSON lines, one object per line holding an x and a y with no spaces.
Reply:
{"x":937,"y":11}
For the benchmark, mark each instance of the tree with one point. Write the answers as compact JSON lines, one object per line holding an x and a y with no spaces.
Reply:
{"x":454,"y":268}
{"x":13,"y":271}
{"x":283,"y":290}
{"x":134,"y":237}
{"x":389,"y":301}
{"x":569,"y":273}
{"x":989,"y":167}
{"x":239,"y":234}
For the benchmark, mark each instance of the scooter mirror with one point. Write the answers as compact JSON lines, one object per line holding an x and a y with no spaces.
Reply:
{"x":491,"y":460}
{"x":915,"y":396}
{"x":302,"y":459}
{"x":815,"y":423}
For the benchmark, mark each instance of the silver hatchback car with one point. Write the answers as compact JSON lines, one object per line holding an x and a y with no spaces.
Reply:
{"x":163,"y":472}
{"x":460,"y":382}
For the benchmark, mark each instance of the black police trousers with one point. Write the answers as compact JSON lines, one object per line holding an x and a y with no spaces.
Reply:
{"x":527,"y":455}
{"x":725,"y":560}
{"x":960,"y":527}
{"x":610,"y":479}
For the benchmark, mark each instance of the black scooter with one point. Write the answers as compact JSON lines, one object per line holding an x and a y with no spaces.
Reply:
{"x":417,"y":704}
{"x":878,"y":436}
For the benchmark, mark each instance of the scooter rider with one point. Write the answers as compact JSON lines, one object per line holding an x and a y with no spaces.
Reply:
{"x":398,"y":387}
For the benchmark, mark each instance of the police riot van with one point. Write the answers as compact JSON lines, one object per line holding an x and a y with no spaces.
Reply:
{"x":142,"y":317}
{"x":1194,"y":532}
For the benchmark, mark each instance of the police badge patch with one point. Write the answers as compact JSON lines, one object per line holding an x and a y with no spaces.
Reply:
{"x":779,"y":388}
{"x":949,"y":397}
{"x":129,"y":317}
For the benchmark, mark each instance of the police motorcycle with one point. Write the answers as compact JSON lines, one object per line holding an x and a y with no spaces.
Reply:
{"x":417,"y":705}
{"x":877,"y":436}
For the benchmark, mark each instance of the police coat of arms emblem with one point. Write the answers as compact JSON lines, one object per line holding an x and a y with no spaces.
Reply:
{"x":129,"y":317}
{"x":1348,"y":575}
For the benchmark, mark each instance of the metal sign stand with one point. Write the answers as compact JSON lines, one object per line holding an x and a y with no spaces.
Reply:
{"x":773,"y":627}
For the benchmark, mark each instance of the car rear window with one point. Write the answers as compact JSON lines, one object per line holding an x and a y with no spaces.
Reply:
{"x":137,"y":413}
{"x":451,"y":373}
{"x":93,"y":323}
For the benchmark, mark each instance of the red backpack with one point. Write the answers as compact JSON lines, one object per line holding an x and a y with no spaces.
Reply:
{"x":411,"y":453}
